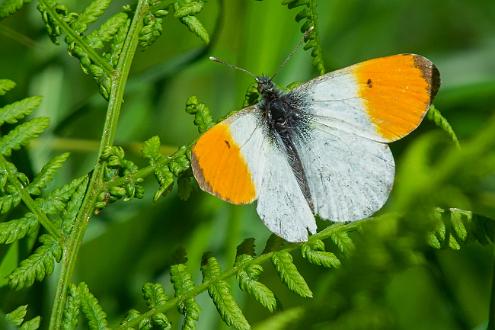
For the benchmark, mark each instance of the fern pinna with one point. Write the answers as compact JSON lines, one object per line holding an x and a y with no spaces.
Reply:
{"x":51,"y":220}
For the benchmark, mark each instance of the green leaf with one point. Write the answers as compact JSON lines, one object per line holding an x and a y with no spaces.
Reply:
{"x":92,"y":12}
{"x":105,"y":33}
{"x":343,"y":242}
{"x":154,"y":295}
{"x":222,"y":297}
{"x":97,"y":319}
{"x":182,"y":280}
{"x":56,"y":200}
{"x":9,"y":7}
{"x":38,"y":265}
{"x":6,"y":85}
{"x":436,"y":116}
{"x":282,"y":260}
{"x":314,"y":252}
{"x":202,"y":115}
{"x":71,"y":311}
{"x":46,"y":174}
{"x":13,"y":112}
{"x":165,"y":178}
{"x":73,"y":205}
{"x":185,"y":11}
{"x":248,"y":282}
{"x":14,"y":230}
{"x":22,"y":134}
{"x":8,"y":202}
{"x":17,"y":316}
{"x":32,"y":324}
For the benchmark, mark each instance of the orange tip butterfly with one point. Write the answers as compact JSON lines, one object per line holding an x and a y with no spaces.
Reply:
{"x":320,"y":149}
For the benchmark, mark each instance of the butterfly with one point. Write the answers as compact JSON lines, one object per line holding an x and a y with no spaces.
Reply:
{"x":319,"y":149}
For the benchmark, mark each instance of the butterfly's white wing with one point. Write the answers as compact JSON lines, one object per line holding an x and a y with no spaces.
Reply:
{"x":237,"y":161}
{"x":349,"y":177}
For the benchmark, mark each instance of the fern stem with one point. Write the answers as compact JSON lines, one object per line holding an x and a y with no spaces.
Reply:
{"x":26,"y":198}
{"x":234,"y":270}
{"x":83,"y":44}
{"x":491,"y":315}
{"x":119,"y":79}
{"x":318,"y":51}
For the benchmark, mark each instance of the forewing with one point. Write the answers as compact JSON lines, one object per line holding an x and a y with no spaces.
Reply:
{"x":350,"y":177}
{"x":382,"y":99}
{"x":220,"y":157}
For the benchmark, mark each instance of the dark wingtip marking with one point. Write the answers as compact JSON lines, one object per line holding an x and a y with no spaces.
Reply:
{"x":430,"y":74}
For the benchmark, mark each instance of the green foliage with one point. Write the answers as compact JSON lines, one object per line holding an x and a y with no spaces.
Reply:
{"x":154,"y":295}
{"x":436,"y":116}
{"x":6,"y":85}
{"x":165,"y":169}
{"x":46,"y":174}
{"x":455,"y":227}
{"x":186,"y":11}
{"x":17,"y":318}
{"x":221,"y":295}
{"x":308,"y":16}
{"x":97,"y":319}
{"x":13,"y":230}
{"x":314,"y":252}
{"x":22,"y":134}
{"x":183,"y":284}
{"x":201,"y":112}
{"x":37,"y":265}
{"x":282,"y":260}
{"x":9,"y":7}
{"x":71,"y":311}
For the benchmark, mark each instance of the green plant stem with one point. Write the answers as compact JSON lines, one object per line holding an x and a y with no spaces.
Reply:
{"x":491,"y":311}
{"x":318,"y":51}
{"x":67,"y":30}
{"x":119,"y":79}
{"x":236,"y":269}
{"x":31,"y":205}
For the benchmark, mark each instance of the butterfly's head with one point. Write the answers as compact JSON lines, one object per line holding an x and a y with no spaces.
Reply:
{"x":266,"y":87}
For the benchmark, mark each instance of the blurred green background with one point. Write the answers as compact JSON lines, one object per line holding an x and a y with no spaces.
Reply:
{"x":389,"y":282}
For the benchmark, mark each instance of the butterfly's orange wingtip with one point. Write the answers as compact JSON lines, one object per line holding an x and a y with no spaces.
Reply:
{"x":220,"y":167}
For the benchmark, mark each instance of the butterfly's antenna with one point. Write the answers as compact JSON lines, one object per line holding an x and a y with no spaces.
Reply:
{"x":232,"y":66}
{"x":299,"y":44}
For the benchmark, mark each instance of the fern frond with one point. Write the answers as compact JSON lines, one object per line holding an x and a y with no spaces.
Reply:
{"x":201,"y":112}
{"x":222,"y":297}
{"x":436,"y":117}
{"x":182,"y":280}
{"x":17,"y":316}
{"x":9,"y":7}
{"x":97,"y":319}
{"x":71,"y":311}
{"x":343,"y":242}
{"x":46,"y":174}
{"x":14,"y":230}
{"x":308,"y":15}
{"x":107,"y":31}
{"x":282,"y":260}
{"x":152,"y":24}
{"x":38,"y":265}
{"x":248,"y":282}
{"x":8,"y":202}
{"x":90,"y":14}
{"x":281,"y":320}
{"x":117,"y":43}
{"x":13,"y":112}
{"x":154,"y":295}
{"x":165,"y":169}
{"x":56,"y":200}
{"x":73,"y":205}
{"x":6,"y":85}
{"x":314,"y":251}
{"x":455,"y":227}
{"x":186,"y":11}
{"x":32,"y":324}
{"x":22,"y":134}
